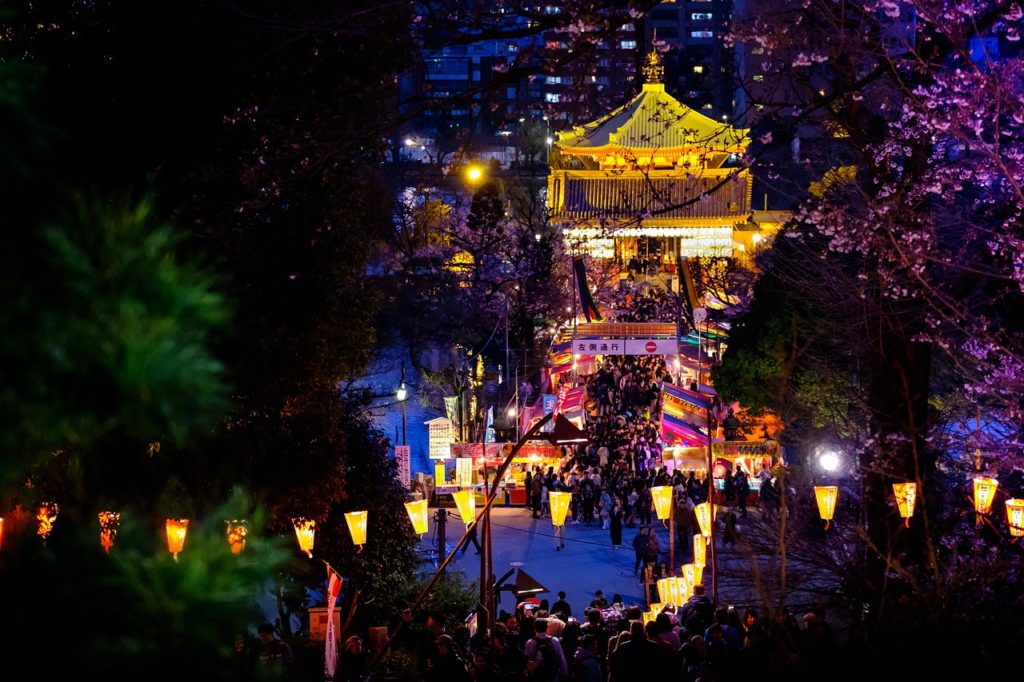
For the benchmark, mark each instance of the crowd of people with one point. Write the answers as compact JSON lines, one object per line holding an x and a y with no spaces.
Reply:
{"x":610,"y":642}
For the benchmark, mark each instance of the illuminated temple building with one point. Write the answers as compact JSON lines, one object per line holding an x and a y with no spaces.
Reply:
{"x":657,"y":179}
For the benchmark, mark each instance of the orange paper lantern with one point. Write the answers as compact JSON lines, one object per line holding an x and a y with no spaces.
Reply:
{"x":357,"y":528}
{"x":46,"y":516}
{"x":465,"y":500}
{"x":559,"y":503}
{"x":703,"y":512}
{"x":176,"y":530}
{"x":984,"y":494}
{"x":418,"y":515}
{"x":109,"y":521}
{"x":700,"y":551}
{"x":906,"y":495}
{"x":236,"y":530}
{"x":662,"y":496}
{"x":826,"y":496}
{"x":1014,"y":516}
{"x":305,"y":530}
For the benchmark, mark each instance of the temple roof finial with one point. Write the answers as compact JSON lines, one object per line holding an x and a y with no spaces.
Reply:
{"x":653,"y":69}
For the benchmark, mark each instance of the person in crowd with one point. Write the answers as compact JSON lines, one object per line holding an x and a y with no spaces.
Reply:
{"x":586,"y":662}
{"x":561,"y":607}
{"x":641,"y":543}
{"x":615,"y":525}
{"x":742,"y":485}
{"x":634,"y":658}
{"x":353,"y":664}
{"x":447,"y":665}
{"x":545,"y":661}
{"x":271,"y":651}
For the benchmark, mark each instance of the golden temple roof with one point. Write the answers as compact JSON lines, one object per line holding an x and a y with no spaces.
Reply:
{"x":652,"y":121}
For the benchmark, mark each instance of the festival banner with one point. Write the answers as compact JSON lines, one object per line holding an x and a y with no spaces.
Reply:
{"x":676,"y":432}
{"x":489,"y":429}
{"x":684,"y":405}
{"x":450,"y":408}
{"x":334,"y":582}
{"x":549,"y":401}
{"x":587,"y":302}
{"x":404,"y":466}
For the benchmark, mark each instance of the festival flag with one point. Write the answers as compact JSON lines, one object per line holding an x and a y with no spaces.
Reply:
{"x":690,"y":289}
{"x":489,"y":429}
{"x":334,"y":582}
{"x":587,"y":302}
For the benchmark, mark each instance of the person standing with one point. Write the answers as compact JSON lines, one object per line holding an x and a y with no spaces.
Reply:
{"x":742,"y":490}
{"x":545,"y":661}
{"x":528,"y":487}
{"x":271,"y":651}
{"x":615,"y":526}
{"x":561,"y":607}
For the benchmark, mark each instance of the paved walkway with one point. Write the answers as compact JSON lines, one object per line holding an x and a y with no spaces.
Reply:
{"x":589,"y":562}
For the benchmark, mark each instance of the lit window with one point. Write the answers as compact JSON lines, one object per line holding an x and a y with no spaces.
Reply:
{"x":701,"y":16}
{"x":698,"y":69}
{"x":758,"y":78}
{"x":551,"y":97}
{"x":555,"y":80}
{"x":627,"y":45}
{"x":702,"y":34}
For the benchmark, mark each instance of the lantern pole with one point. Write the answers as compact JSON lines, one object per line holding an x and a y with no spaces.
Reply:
{"x":711,"y":509}
{"x":407,"y":614}
{"x":672,"y":534}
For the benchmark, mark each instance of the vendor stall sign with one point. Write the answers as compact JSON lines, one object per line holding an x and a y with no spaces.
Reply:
{"x":440,"y":436}
{"x":403,"y":464}
{"x":464,"y":471}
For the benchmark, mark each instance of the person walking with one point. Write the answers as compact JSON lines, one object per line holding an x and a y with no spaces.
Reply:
{"x":742,"y":490}
{"x":640,"y":544}
{"x":471,"y":538}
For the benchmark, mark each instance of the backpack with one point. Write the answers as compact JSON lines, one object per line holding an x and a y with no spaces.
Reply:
{"x":547,"y":667}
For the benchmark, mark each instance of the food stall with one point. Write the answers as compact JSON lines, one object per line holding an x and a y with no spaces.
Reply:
{"x":473,"y":457}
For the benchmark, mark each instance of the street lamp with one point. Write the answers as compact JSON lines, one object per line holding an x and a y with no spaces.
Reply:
{"x":474,"y":174}
{"x":829,"y":461}
{"x":401,"y":394}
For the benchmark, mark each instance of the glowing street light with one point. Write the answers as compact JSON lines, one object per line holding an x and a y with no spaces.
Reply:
{"x":829,"y":460}
{"x":474,"y":173}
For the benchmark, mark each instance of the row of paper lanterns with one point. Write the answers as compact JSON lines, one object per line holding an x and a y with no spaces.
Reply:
{"x":906,"y":495}
{"x":236,"y":529}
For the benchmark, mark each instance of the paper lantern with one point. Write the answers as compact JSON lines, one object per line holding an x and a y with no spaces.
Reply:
{"x":236,"y":532}
{"x":684,"y":589}
{"x":465,"y":500}
{"x":826,"y":496}
{"x":698,"y":575}
{"x":1,"y":532}
{"x":417,"y":511}
{"x":46,"y":515}
{"x":109,"y":521}
{"x":305,"y":530}
{"x":176,"y":530}
{"x":668,"y":592}
{"x":700,"y":551}
{"x":703,"y":512}
{"x":559,"y":502}
{"x":357,"y":528}
{"x":984,"y":493}
{"x":1014,"y":517}
{"x":662,"y":496}
{"x":906,"y":494}
{"x":689,"y":572}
